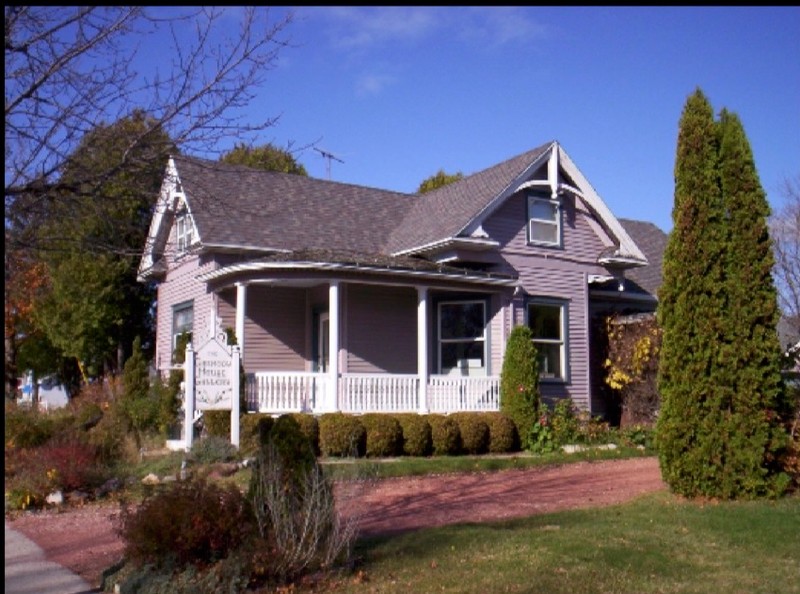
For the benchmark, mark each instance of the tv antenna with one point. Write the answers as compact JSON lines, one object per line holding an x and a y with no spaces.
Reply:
{"x":328,"y":157}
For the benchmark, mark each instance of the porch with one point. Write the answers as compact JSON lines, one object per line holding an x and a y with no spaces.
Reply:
{"x":312,"y":392}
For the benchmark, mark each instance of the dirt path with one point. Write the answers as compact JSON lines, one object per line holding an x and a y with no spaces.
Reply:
{"x":83,"y":539}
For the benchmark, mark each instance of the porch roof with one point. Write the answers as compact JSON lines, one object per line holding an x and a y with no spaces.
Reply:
{"x":357,"y":262}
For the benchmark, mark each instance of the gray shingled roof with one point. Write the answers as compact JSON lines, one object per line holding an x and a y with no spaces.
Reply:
{"x":652,"y":241}
{"x":240,"y":206}
{"x":444,"y":212}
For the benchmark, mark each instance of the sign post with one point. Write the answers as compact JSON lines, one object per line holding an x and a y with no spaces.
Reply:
{"x":212,"y":379}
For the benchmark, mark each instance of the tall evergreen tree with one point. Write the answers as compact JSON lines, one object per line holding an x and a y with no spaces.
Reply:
{"x":752,"y":436}
{"x":716,"y":372}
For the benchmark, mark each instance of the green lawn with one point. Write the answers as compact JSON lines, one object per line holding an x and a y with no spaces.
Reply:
{"x":658,"y":544}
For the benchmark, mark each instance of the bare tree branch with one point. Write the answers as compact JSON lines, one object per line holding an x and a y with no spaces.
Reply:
{"x":71,"y":69}
{"x":785,"y":231}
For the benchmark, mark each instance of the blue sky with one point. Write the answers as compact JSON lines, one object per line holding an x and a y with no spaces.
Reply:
{"x":399,"y":92}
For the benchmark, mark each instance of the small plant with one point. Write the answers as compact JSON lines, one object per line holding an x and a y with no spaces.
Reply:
{"x":541,"y":438}
{"x":564,"y":422}
{"x":213,"y":449}
{"x":192,"y":522}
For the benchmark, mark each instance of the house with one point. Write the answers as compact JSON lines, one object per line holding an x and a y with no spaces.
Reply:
{"x":357,"y":299}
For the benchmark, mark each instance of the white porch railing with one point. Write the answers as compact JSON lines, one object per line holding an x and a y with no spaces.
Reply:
{"x":361,"y":393}
{"x":283,"y":391}
{"x":455,"y":394}
{"x":280,"y":392}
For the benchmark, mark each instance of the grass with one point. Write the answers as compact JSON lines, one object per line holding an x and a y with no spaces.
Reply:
{"x":657,"y":544}
{"x":350,"y":468}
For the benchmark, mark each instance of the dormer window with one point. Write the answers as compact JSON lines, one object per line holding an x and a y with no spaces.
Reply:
{"x":184,"y":231}
{"x":544,"y":220}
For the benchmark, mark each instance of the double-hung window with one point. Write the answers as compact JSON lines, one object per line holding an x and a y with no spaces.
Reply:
{"x":182,"y":323}
{"x":462,"y":338}
{"x":547,"y":321}
{"x":184,"y":231}
{"x":544,"y":220}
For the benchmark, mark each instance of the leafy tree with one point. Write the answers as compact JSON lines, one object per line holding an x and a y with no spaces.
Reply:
{"x":708,"y":376}
{"x":437,"y":180}
{"x":519,"y":382}
{"x":95,"y":305}
{"x":68,"y":69}
{"x":267,"y":157}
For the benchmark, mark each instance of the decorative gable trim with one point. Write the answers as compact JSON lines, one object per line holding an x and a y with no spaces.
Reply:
{"x":627,"y":255}
{"x":171,"y":198}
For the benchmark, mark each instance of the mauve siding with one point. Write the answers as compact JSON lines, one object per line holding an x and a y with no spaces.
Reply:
{"x":554,"y":273}
{"x":381,"y":329}
{"x":179,"y":286}
{"x":274,"y":328}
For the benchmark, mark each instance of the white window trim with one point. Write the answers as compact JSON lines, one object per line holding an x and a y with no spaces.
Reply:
{"x":482,"y":338}
{"x":179,"y":307}
{"x":184,"y":231}
{"x":533,"y":198}
{"x":563,"y":342}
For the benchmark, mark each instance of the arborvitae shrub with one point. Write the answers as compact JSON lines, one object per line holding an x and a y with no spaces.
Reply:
{"x":474,"y":432}
{"x":384,"y":435}
{"x":445,"y":436}
{"x":416,"y":434}
{"x":253,"y":429}
{"x":503,"y":435}
{"x":191,"y":522}
{"x":519,"y":381}
{"x":341,"y":435}
{"x":309,"y":425}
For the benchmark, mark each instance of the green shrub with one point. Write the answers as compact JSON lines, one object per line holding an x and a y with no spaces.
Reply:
{"x":384,"y":435}
{"x":474,"y":432}
{"x":217,"y":423}
{"x":341,"y":435}
{"x":564,"y":422}
{"x":445,"y":437}
{"x":112,"y":440}
{"x":26,"y":427}
{"x":294,"y":508}
{"x":519,"y":381}
{"x":253,"y":429}
{"x":190,"y":522}
{"x":66,"y":463}
{"x":503,"y":434}
{"x":416,"y":434}
{"x":309,"y":425}
{"x":213,"y":449}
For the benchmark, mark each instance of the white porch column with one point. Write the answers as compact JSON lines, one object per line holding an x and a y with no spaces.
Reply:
{"x":333,"y":346}
{"x":241,"y":309}
{"x":422,"y":348}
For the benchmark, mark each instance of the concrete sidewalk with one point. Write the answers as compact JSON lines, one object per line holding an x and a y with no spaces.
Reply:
{"x":29,"y":572}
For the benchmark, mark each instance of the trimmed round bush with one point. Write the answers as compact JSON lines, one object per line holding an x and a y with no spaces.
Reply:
{"x":384,"y":435}
{"x":503,"y":434}
{"x":445,"y":435}
{"x":341,"y":435}
{"x":213,"y":449}
{"x":309,"y":425}
{"x":416,"y":434}
{"x":474,"y":432}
